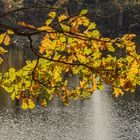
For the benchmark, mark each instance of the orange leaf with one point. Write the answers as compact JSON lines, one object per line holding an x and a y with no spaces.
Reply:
{"x":6,"y":40}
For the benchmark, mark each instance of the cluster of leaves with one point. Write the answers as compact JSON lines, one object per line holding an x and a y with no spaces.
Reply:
{"x":73,"y":46}
{"x":4,"y":41}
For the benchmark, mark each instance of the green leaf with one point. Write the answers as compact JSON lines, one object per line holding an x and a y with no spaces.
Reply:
{"x":95,"y":34}
{"x":63,"y":39}
{"x":110,"y":47}
{"x":92,"y":26}
{"x":96,"y":55}
{"x":83,"y":12}
{"x":70,"y":40}
{"x":65,"y":27}
{"x":87,"y":51}
{"x":129,"y":58}
{"x":49,"y":21}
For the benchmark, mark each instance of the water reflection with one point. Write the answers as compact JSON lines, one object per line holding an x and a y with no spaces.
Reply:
{"x":14,"y":58}
{"x":100,"y":118}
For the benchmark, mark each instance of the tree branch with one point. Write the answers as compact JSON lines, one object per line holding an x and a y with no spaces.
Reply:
{"x":63,"y":62}
{"x":27,"y":8}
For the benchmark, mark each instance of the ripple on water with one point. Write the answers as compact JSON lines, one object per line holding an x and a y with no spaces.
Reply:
{"x":99,"y":118}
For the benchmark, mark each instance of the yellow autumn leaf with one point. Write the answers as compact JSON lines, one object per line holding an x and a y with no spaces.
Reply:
{"x":13,"y":96}
{"x":81,"y":57}
{"x":10,"y":32}
{"x":41,"y":49}
{"x":46,"y":42}
{"x":65,"y":27}
{"x":91,"y":26}
{"x":2,"y":36}
{"x":52,"y":14}
{"x":117,"y":92}
{"x":53,"y":35}
{"x":122,"y":82}
{"x":110,"y":47}
{"x":95,"y":34}
{"x":63,"y":39}
{"x":24,"y":105}
{"x":2,"y":51}
{"x":18,"y":96}
{"x":44,"y":28}
{"x":44,"y":103}
{"x":31,"y":104}
{"x":82,"y":83}
{"x":97,"y":63}
{"x":85,"y":22}
{"x":97,"y":55}
{"x":128,"y":37}
{"x":26,"y":25}
{"x":134,"y":68}
{"x":62,"y":17}
{"x":129,"y":58}
{"x":94,"y":84}
{"x":48,"y":21}
{"x":130,"y":48}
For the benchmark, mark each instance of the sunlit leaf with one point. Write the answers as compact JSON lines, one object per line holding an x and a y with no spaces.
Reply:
{"x":62,"y":18}
{"x":52,"y":14}
{"x":83,"y":12}
{"x":48,"y":21}
{"x":6,"y":40}
{"x":26,"y":25}
{"x":2,"y":36}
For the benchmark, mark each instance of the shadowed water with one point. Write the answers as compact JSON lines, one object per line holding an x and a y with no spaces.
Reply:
{"x":102,"y":117}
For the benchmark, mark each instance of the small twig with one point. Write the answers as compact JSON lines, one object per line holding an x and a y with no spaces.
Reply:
{"x":27,"y":8}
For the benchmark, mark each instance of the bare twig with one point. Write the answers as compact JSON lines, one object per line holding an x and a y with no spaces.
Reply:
{"x":27,"y":8}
